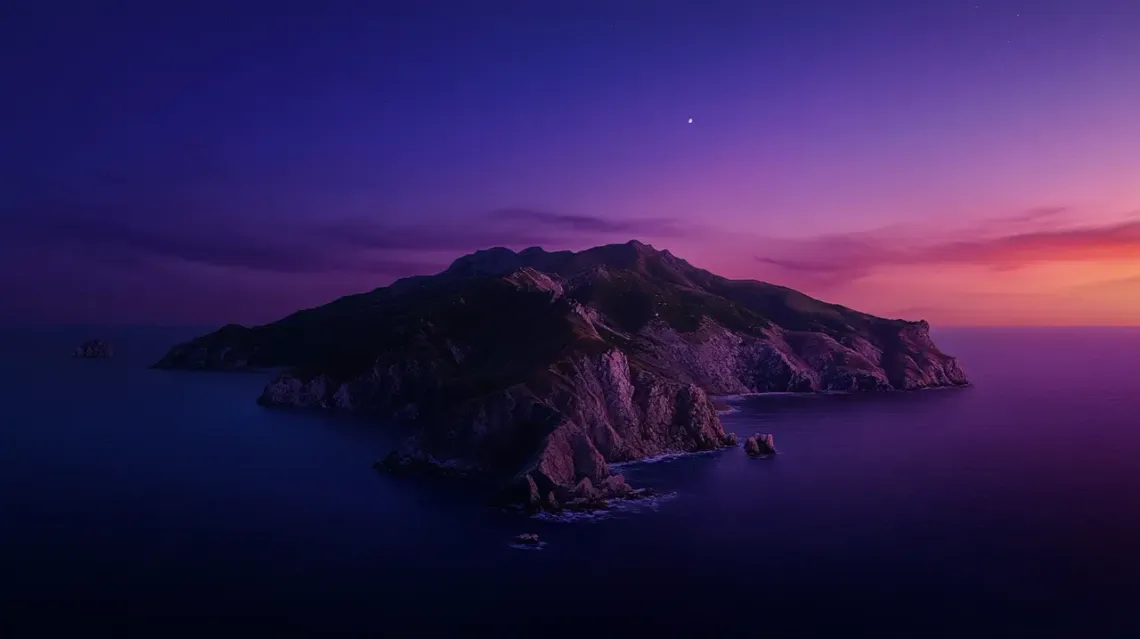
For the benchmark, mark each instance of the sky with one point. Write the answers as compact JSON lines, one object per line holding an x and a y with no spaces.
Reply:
{"x":965,"y":162}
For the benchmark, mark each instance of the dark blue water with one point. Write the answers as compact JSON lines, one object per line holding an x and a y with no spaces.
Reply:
{"x":139,"y":499}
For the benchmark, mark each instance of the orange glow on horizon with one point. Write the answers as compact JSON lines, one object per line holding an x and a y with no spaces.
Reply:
{"x":1070,"y":275}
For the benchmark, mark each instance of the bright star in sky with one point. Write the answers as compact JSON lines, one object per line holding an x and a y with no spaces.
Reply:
{"x":690,"y":120}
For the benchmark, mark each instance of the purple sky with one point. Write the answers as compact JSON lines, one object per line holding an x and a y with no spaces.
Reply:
{"x":967,"y":162}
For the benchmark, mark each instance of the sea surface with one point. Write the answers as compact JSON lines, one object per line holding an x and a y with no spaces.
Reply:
{"x":170,"y":503}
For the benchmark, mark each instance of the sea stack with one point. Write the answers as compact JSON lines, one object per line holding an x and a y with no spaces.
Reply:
{"x":760,"y":445}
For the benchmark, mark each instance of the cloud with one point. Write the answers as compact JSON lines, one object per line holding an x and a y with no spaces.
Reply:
{"x":1035,"y":215}
{"x":284,"y":250}
{"x":913,"y":312}
{"x":1110,"y":285}
{"x":651,"y":227}
{"x":132,"y":233}
{"x":840,"y":259}
{"x":362,"y":234}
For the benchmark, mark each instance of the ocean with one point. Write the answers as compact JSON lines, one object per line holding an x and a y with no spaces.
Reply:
{"x":169,"y":502}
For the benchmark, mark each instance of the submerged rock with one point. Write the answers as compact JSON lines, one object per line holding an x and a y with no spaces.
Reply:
{"x":537,"y":370}
{"x":759,"y":445}
{"x":93,"y":349}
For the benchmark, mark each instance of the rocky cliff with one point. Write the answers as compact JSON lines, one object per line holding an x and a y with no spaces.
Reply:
{"x":537,"y":369}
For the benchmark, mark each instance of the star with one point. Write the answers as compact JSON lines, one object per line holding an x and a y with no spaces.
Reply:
{"x":690,"y":120}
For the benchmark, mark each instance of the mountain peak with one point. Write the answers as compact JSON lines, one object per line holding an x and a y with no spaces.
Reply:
{"x":491,"y":261}
{"x":499,"y":260}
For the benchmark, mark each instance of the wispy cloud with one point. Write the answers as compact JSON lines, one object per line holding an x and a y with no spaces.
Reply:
{"x":1033,"y":215}
{"x":650,"y":227}
{"x":1113,"y":284}
{"x":285,"y":250}
{"x":913,"y":312}
{"x":1033,"y":237}
{"x":129,"y":234}
{"x":363,"y":234}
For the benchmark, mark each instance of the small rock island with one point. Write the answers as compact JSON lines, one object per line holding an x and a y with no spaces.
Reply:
{"x":536,"y":370}
{"x":93,"y":349}
{"x":760,"y":445}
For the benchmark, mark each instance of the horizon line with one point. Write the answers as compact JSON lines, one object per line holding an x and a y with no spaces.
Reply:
{"x":933,"y":325}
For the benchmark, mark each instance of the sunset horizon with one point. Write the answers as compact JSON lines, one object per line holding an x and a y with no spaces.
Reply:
{"x":859,"y":280}
{"x":969,"y":163}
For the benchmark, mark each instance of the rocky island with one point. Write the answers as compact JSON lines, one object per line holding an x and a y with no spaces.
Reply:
{"x":93,"y":349}
{"x":760,"y":445}
{"x":536,"y":369}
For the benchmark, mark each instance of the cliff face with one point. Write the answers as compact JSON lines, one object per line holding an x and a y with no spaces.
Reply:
{"x":552,"y":439}
{"x":538,"y":369}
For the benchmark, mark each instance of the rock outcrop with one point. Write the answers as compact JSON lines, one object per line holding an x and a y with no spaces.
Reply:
{"x":537,"y":370}
{"x":759,"y":445}
{"x":93,"y":349}
{"x":552,"y":439}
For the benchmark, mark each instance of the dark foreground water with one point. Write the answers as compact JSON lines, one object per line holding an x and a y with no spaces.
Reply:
{"x":167,"y":502}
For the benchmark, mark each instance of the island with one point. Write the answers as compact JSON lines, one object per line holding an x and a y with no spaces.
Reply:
{"x":535,"y":370}
{"x":760,"y":445}
{"x":93,"y":349}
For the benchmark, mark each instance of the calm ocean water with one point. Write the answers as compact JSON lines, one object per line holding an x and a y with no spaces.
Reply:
{"x":172,"y":502}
